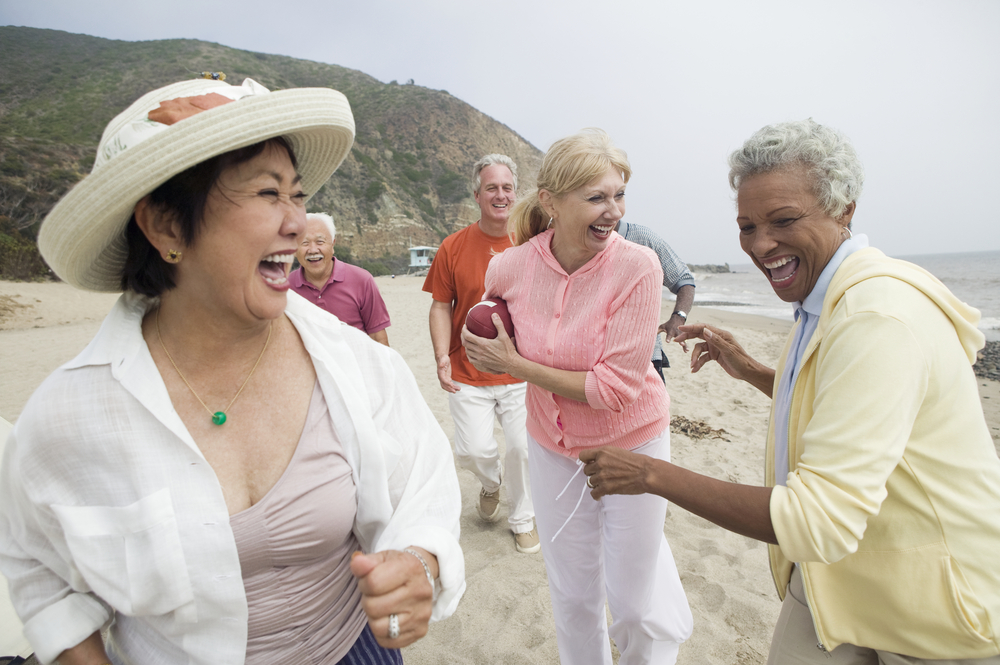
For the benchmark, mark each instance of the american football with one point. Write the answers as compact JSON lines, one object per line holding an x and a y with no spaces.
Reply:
{"x":479,"y":320}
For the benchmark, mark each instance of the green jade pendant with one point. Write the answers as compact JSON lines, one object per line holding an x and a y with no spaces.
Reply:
{"x":219,"y":418}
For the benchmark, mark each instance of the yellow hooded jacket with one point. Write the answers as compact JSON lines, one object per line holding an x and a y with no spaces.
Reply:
{"x":892,"y":505}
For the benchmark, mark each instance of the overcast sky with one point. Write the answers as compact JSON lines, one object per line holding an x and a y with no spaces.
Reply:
{"x":915,"y":84}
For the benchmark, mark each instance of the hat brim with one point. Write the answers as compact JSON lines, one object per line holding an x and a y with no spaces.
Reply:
{"x":83,"y":238}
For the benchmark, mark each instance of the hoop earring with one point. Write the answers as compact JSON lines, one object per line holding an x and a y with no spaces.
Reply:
{"x":173,"y":256}
{"x":849,"y":234}
{"x":549,"y":226}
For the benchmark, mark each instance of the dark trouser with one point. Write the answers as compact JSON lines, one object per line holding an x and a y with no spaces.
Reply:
{"x":659,"y":365}
{"x":366,"y":651}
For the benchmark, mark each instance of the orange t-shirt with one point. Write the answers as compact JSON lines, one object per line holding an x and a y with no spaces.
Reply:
{"x":457,"y":276}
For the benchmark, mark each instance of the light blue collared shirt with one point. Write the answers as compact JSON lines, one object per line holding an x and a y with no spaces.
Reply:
{"x":807,"y":314}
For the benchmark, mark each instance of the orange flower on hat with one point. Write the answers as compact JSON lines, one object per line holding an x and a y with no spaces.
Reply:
{"x":175,"y":110}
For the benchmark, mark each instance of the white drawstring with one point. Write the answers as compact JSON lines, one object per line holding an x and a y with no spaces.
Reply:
{"x":579,"y":468}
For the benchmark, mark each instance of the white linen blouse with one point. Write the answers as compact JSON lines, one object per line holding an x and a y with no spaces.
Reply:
{"x":110,"y":516}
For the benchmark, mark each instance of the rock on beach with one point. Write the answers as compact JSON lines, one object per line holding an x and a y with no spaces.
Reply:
{"x":988,"y":362}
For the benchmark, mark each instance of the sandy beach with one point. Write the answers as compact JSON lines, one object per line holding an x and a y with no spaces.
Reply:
{"x":505,"y":616}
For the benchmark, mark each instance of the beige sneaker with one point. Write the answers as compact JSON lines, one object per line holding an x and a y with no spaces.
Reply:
{"x":489,"y":505}
{"x":527,"y":542}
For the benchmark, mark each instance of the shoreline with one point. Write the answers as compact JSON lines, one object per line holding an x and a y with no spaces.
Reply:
{"x":992,"y":335}
{"x":505,"y":615}
{"x":70,"y":317}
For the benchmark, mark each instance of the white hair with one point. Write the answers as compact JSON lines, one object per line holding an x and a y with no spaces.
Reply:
{"x":326,"y":219}
{"x":490,"y":160}
{"x":825,"y":153}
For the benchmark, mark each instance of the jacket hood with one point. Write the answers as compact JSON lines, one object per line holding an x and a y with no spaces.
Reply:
{"x":870,"y":262}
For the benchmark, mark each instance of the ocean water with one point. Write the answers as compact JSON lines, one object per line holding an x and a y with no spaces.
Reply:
{"x":972,"y":276}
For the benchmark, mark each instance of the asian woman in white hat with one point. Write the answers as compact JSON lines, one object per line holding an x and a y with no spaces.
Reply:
{"x":197,"y":482}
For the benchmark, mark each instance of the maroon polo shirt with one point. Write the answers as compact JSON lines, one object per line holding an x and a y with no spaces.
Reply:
{"x":350,"y":294}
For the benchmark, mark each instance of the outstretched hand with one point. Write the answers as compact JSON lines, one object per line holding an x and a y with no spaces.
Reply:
{"x":496,"y":356}
{"x":720,"y":345}
{"x":672,"y":329}
{"x":613,"y":470}
{"x":393,"y":582}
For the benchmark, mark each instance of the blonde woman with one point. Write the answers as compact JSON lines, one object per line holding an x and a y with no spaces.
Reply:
{"x":585,"y":304}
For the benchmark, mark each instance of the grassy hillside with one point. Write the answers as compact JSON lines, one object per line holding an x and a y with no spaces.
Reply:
{"x":405,"y":182}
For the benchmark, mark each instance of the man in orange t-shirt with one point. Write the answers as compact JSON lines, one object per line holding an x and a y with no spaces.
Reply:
{"x":455,"y":281}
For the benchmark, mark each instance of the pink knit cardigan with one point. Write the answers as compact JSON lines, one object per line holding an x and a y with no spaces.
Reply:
{"x":600,"y":320}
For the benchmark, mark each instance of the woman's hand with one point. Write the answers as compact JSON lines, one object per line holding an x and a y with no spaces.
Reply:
{"x":393,"y":582}
{"x":496,"y":356}
{"x":720,"y":346}
{"x":743,"y":509}
{"x":616,"y":471}
{"x":89,"y":652}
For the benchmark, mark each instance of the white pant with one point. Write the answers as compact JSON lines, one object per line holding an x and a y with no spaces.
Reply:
{"x":613,"y":549}
{"x":476,"y":449}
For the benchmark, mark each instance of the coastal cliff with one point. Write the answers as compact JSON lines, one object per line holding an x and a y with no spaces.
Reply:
{"x":406,"y":181}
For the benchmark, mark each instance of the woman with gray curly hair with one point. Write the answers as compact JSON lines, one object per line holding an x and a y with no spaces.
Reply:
{"x":882,"y":504}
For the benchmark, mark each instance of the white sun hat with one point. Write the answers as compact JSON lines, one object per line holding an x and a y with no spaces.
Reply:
{"x":83,"y":238}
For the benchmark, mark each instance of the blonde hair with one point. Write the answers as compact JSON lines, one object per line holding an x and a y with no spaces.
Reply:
{"x":569,"y":164}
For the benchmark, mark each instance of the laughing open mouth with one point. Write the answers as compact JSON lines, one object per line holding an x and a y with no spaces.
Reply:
{"x":602,"y":231}
{"x":274,"y":268}
{"x":783,"y":269}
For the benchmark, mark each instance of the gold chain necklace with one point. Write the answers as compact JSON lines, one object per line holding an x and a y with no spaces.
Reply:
{"x":219,"y":417}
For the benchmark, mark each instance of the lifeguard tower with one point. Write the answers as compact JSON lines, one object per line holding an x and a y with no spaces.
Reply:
{"x":421,"y":257}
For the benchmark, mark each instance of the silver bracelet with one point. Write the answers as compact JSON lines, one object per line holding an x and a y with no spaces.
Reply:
{"x":427,"y":572}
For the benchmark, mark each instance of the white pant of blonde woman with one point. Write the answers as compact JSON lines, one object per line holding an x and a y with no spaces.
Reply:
{"x":612,"y":549}
{"x":473,"y":409}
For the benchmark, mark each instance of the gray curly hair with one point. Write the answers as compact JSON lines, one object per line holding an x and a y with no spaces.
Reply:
{"x":827,"y":155}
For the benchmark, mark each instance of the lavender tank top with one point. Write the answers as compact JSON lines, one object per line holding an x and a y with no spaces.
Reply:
{"x":295,"y":549}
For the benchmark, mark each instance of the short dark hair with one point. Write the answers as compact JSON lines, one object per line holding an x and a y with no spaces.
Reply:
{"x":184,"y":196}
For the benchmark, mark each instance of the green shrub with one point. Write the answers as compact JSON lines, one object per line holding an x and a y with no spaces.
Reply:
{"x":376,"y":268}
{"x":20,"y":260}
{"x":425,"y":206}
{"x":366,"y":160}
{"x":405,"y":158}
{"x":374,"y":190}
{"x":13,"y":166}
{"x":388,"y":264}
{"x":416,"y":175}
{"x":451,"y":187}
{"x":343,"y":253}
